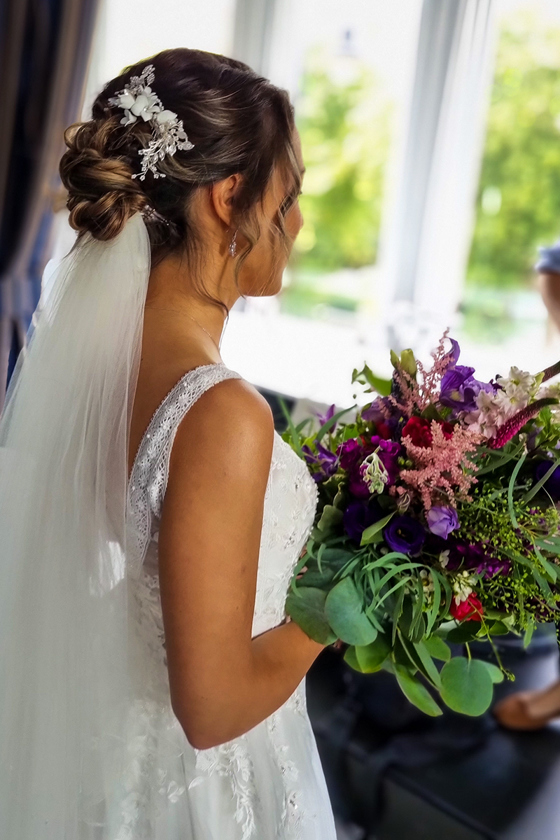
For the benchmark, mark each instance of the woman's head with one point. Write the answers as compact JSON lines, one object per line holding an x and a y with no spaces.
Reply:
{"x":243,"y":174}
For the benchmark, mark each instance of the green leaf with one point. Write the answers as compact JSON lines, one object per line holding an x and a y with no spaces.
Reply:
{"x":529,"y":634}
{"x":307,"y":608}
{"x":498,"y":629}
{"x":371,"y":657}
{"x":427,"y":663}
{"x":344,"y":612}
{"x":511,"y":488}
{"x":331,"y":517}
{"x":542,"y":481}
{"x":466,"y":686}
{"x":293,"y":431}
{"x":366,"y":375}
{"x":496,"y":674}
{"x":415,"y":692}
{"x":351,"y":659}
{"x":438,"y":649}
{"x":465,"y":632}
{"x":326,"y":427}
{"x":370,"y":533}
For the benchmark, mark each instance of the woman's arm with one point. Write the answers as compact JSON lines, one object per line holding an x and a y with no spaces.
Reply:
{"x":222,"y":682}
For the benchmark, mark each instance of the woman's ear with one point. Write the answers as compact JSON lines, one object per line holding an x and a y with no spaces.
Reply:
{"x":222,"y":194}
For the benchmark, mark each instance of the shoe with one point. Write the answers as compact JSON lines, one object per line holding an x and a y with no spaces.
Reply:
{"x":514,"y":712}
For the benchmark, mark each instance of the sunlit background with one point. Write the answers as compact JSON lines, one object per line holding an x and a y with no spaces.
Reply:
{"x":433,"y":175}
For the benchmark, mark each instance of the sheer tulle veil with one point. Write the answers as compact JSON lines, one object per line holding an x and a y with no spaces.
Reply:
{"x":67,"y":657}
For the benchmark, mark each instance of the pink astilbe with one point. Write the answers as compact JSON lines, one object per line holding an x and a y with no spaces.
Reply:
{"x":441,"y":471}
{"x":417,"y":394}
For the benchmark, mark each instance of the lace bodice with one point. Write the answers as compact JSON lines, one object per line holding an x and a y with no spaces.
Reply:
{"x":289,"y":509}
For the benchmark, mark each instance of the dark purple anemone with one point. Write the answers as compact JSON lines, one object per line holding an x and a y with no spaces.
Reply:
{"x":405,"y":534}
{"x":358,"y":516}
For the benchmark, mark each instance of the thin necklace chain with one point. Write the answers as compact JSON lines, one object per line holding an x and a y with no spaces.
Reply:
{"x":180,"y":312}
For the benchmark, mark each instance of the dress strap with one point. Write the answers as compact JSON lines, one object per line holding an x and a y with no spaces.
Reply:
{"x":148,"y":480}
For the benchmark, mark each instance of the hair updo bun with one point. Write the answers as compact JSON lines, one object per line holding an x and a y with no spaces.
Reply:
{"x":102,"y":195}
{"x":238,"y":121}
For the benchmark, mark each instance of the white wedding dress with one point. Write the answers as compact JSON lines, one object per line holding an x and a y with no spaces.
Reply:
{"x":267,"y":784}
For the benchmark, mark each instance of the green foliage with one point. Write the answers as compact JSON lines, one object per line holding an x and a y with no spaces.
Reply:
{"x":518,"y":202}
{"x":344,"y":129}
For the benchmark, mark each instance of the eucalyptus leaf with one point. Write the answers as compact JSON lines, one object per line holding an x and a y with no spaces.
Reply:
{"x":464,"y":632}
{"x":307,"y":608}
{"x":438,"y":649}
{"x":466,"y":686}
{"x":416,"y":692}
{"x":371,"y":657}
{"x":331,"y":518}
{"x":351,"y":659}
{"x":496,"y":674}
{"x":344,"y":612}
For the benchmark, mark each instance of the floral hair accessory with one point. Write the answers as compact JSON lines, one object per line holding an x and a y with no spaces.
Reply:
{"x":168,"y":135}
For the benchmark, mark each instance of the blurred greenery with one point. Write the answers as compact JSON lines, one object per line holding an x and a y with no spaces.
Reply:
{"x":518,"y":202}
{"x":344,"y":125}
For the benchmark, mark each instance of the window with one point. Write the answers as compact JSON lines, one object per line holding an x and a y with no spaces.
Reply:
{"x":349,"y":69}
{"x":518,"y":198}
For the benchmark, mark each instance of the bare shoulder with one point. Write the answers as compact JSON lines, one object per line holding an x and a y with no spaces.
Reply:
{"x":231,"y":423}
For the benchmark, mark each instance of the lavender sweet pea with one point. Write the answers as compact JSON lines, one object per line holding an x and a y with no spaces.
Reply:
{"x":442,"y":520}
{"x":459,"y":388}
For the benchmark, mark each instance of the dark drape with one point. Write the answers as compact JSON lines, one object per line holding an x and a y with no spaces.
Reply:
{"x":44,"y":55}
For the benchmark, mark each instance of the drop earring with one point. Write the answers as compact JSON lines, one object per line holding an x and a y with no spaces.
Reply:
{"x":233,"y":245}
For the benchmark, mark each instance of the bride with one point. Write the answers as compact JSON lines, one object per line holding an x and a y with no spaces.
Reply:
{"x":151,"y":687}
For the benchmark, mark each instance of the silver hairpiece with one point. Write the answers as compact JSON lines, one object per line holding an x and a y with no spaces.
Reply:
{"x":168,"y":135}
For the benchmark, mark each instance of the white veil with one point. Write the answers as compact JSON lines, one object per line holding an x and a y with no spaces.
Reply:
{"x":66,"y":655}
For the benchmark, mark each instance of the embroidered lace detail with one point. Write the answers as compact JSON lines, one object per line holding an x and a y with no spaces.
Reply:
{"x":289,"y":510}
{"x":233,"y":762}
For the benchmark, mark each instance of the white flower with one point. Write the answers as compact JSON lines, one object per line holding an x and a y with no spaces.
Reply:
{"x":374,"y":473}
{"x":444,"y":558}
{"x":463,"y":586}
{"x":166,"y":116}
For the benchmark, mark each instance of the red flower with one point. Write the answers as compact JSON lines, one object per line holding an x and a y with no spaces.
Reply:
{"x":470,"y":609}
{"x":447,"y":429}
{"x":418,"y":430}
{"x":383,"y":430}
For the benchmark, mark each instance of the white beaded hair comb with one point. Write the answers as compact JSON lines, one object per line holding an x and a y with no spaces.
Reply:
{"x":168,"y":135}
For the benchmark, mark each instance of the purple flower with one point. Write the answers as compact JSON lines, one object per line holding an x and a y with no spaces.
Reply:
{"x":474,"y":557}
{"x":358,"y":516}
{"x":459,"y":389}
{"x":323,"y":464}
{"x":405,"y":534}
{"x":322,"y":418}
{"x":388,"y":451}
{"x":442,"y":520}
{"x":552,"y":486}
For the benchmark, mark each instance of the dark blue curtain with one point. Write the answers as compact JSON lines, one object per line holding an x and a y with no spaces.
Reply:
{"x":44,"y":53}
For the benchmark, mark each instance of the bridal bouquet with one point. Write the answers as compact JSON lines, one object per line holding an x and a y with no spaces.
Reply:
{"x":437,"y":523}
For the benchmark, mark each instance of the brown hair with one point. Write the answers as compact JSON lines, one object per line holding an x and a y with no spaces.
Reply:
{"x":239,"y":123}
